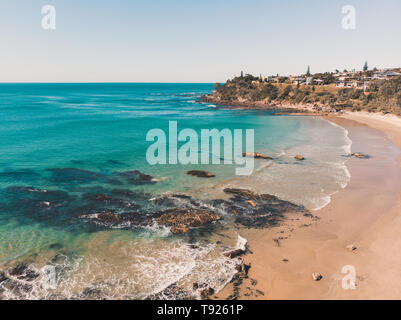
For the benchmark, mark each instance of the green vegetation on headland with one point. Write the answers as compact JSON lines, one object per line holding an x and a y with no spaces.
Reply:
{"x":370,"y":90}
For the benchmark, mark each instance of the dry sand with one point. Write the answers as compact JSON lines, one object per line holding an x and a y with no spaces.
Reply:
{"x":367,"y":213}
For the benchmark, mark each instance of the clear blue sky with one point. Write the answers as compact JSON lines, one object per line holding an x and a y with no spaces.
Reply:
{"x":192,"y":41}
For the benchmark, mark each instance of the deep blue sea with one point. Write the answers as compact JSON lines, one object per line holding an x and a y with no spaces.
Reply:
{"x":63,"y":145}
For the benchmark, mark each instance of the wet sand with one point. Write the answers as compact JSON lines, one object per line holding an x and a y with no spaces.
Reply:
{"x":367,"y":214}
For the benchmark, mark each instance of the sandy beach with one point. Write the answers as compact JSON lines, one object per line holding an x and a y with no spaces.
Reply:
{"x":366,"y":214}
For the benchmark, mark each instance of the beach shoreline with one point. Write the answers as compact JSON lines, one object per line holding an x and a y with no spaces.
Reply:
{"x":363,"y":217}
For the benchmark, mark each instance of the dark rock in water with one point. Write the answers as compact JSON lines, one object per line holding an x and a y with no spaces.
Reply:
{"x":172,"y":292}
{"x":130,"y":195}
{"x":3,"y":277}
{"x":183,"y":219}
{"x":22,"y":175}
{"x":108,"y":201}
{"x":201,"y":174}
{"x":103,"y":217}
{"x":23,"y":272}
{"x":109,"y":217}
{"x":115,"y":162}
{"x":359,"y":155}
{"x":102,"y":197}
{"x":181,"y":196}
{"x":17,"y":287}
{"x":256,"y":155}
{"x":136,"y":177}
{"x":73,"y":175}
{"x":59,"y":258}
{"x":173,"y":200}
{"x":23,"y":192}
{"x":19,"y":269}
{"x":91,"y":293}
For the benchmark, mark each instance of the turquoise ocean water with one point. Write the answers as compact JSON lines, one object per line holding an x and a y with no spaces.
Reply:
{"x":60,"y":144}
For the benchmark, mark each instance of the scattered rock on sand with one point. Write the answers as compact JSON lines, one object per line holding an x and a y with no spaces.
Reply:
{"x":233,"y":253}
{"x":299,"y":157}
{"x":316,"y":276}
{"x":256,"y":155}
{"x":201,"y":174}
{"x":351,"y":247}
{"x":205,"y":293}
{"x":359,"y":155}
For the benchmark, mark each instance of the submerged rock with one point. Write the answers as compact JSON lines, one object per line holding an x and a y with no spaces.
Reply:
{"x":73,"y":175}
{"x":136,"y":177}
{"x":200,"y":174}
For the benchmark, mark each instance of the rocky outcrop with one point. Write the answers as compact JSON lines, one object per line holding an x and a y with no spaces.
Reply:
{"x":257,"y":210}
{"x":200,"y":174}
{"x":109,"y":217}
{"x":247,"y":194}
{"x":181,"y":220}
{"x":180,"y":229}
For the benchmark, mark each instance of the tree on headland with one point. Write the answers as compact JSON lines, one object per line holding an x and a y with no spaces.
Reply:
{"x":308,"y":71}
{"x":365,"y":67}
{"x":242,"y":74}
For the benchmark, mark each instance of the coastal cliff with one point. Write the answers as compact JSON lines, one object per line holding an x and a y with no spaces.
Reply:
{"x":257,"y":93}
